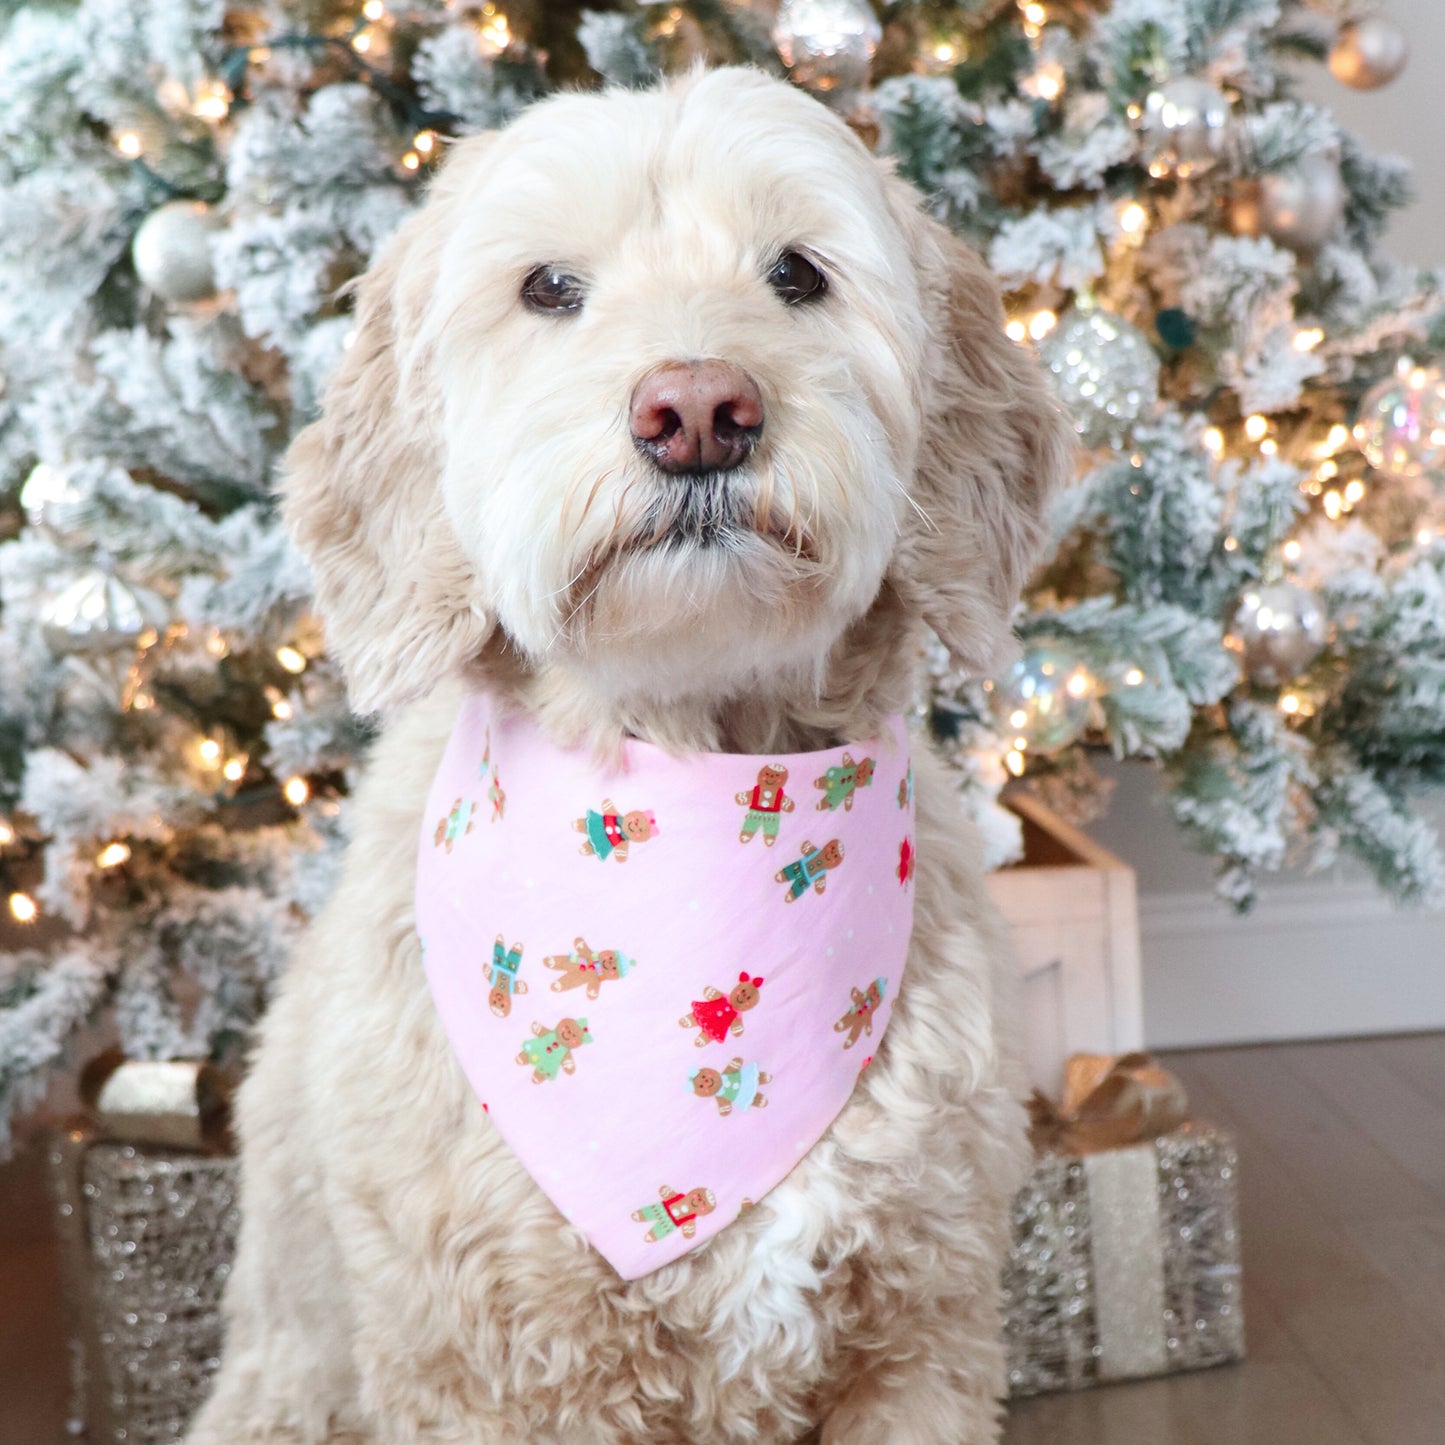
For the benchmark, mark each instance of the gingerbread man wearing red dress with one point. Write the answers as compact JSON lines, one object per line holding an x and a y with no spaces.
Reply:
{"x":716,"y":1015}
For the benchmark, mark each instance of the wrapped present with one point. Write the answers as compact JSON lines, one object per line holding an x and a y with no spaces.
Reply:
{"x":146,"y":1199}
{"x":1125,"y":1258}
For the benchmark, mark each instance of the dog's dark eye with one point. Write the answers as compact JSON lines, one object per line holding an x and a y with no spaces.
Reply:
{"x":548,"y":289}
{"x":796,"y":279}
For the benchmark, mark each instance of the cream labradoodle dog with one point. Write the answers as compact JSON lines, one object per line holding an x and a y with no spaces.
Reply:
{"x":671,"y":415}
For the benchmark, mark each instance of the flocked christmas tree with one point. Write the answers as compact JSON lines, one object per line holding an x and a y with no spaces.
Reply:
{"x":1247,"y":584}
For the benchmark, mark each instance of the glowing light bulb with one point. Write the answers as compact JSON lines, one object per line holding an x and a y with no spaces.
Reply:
{"x":411,"y":161}
{"x":282,"y":709}
{"x":112,"y":855}
{"x":361,"y":42}
{"x":23,"y":908}
{"x":1256,"y":427}
{"x":1289,"y":703}
{"x":217,"y":645}
{"x":1291,"y":550}
{"x":1041,"y":323}
{"x":425,"y":141}
{"x":1308,"y":338}
{"x":1334,"y":505}
{"x":1133,"y":677}
{"x":944,"y":53}
{"x":1329,"y":469}
{"x":209,"y":751}
{"x":1231,"y":544}
{"x":374,"y":9}
{"x":234,"y":770}
{"x":297,"y":790}
{"x":7,"y":835}
{"x":1035,"y":14}
{"x":128,"y":143}
{"x":1268,"y":447}
{"x":291,"y":658}
{"x":1016,"y":331}
{"x":1354,"y":492}
{"x":494,"y":34}
{"x":1013,"y":760}
{"x":1133,"y":218}
{"x":1213,"y":440}
{"x":1018,"y":718}
{"x":212,"y":100}
{"x":1049,"y":82}
{"x":1079,"y":684}
{"x":1339,"y":434}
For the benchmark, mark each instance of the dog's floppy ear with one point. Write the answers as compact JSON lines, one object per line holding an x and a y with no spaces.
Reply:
{"x":994,"y":445}
{"x":399,"y":600}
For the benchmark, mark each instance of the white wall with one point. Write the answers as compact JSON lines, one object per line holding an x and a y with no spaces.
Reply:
{"x":1325,"y":955}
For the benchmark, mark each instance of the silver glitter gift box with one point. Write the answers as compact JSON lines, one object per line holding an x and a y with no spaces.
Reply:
{"x":1125,"y":1263}
{"x":147,"y":1234}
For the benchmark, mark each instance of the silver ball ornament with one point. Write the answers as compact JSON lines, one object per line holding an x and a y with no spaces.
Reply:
{"x":1185,"y":127}
{"x":172,"y":251}
{"x":95,"y":612}
{"x":1300,"y":208}
{"x":1369,"y":52}
{"x":827,"y":45}
{"x":1105,"y":372}
{"x":1278,"y":629}
{"x":1401,"y":426}
{"x":1043,"y":699}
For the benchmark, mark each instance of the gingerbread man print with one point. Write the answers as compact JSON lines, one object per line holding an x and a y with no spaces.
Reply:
{"x":735,"y":1086}
{"x":502,"y":976}
{"x":582,"y":968}
{"x":766,"y":802}
{"x":841,"y":781}
{"x":454,"y":825}
{"x":859,"y":1018}
{"x":674,"y":1212}
{"x":905,"y":788}
{"x":811,"y":870}
{"x":550,"y":1051}
{"x":497,"y":797}
{"x":716,"y":1015}
{"x":611,"y":832}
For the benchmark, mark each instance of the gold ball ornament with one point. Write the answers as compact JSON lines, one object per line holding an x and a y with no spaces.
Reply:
{"x":1185,"y":127}
{"x":1369,"y":52}
{"x":172,"y":251}
{"x":1300,"y":208}
{"x":1278,"y":629}
{"x":827,"y":45}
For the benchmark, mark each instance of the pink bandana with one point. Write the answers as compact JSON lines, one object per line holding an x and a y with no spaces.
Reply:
{"x":662,"y":982}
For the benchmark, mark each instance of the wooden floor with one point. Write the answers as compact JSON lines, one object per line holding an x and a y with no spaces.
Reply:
{"x":1343,"y":1198}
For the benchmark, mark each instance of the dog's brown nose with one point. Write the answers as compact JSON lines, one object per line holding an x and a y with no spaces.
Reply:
{"x":696,"y":416}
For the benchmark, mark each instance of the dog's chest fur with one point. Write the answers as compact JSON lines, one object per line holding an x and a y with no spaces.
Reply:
{"x":462,"y":1298}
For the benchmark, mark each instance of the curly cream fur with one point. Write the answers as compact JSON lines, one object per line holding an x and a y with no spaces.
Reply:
{"x":474,"y":512}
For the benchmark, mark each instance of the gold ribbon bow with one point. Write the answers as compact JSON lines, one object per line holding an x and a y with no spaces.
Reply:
{"x":1108,"y":1102}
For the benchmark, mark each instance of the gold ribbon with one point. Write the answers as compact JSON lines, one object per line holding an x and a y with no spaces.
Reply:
{"x":1109,"y":1101}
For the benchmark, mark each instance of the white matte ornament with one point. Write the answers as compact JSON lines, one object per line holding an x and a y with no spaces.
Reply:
{"x":1300,"y":208}
{"x":827,"y":45}
{"x":1106,"y":372}
{"x":1280,"y":628}
{"x":94,"y":613}
{"x":1044,"y":698}
{"x":1401,"y":427}
{"x":172,"y":251}
{"x":1185,"y":127}
{"x":1369,"y":53}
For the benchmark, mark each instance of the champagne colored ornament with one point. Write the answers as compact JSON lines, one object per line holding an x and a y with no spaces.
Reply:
{"x":172,"y":251}
{"x":1401,"y":427}
{"x":1278,"y":629}
{"x":1369,"y":52}
{"x":1185,"y":127}
{"x":1043,"y":699}
{"x":94,"y":613}
{"x":1107,"y":373}
{"x":1300,"y":208}
{"x":827,"y":45}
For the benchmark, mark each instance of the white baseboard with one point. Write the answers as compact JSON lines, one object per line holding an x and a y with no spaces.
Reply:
{"x":1317,"y":959}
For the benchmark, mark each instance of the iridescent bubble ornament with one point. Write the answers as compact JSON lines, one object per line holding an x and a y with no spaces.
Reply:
{"x":1401,"y":426}
{"x":1278,"y":630}
{"x":1185,"y":127}
{"x":1042,"y":702}
{"x":827,"y":45}
{"x":1105,"y":372}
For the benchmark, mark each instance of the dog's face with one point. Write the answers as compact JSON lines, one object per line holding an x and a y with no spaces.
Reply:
{"x":666,"y":385}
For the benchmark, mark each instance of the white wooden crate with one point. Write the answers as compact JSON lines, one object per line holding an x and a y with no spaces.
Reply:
{"x":1074,"y":917}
